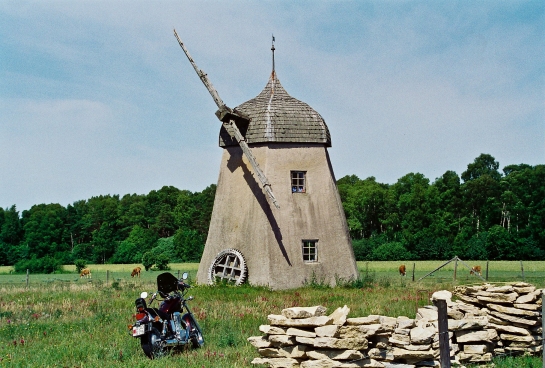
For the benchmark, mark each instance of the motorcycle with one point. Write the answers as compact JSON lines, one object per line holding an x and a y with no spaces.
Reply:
{"x":166,"y":327}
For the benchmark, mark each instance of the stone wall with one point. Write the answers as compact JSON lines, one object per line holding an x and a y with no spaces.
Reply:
{"x":486,"y":320}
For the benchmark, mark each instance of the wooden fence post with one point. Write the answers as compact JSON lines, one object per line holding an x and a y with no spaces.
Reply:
{"x":414,"y":265}
{"x":455,"y":267}
{"x":487,"y":270}
{"x":543,"y":325}
{"x":107,"y":277}
{"x":27,"y":277}
{"x":522,"y":270}
{"x":444,"y":348}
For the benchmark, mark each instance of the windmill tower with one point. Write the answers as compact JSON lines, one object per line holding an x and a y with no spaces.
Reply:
{"x":297,"y":234}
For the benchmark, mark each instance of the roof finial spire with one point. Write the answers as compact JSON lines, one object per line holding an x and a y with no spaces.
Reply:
{"x":272,"y":49}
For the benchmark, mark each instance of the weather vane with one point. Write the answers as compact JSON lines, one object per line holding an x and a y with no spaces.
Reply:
{"x":272,"y":49}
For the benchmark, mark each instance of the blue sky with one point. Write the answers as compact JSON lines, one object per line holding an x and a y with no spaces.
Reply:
{"x":97,"y":97}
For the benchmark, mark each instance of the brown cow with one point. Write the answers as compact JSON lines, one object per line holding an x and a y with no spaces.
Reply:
{"x":86,"y":272}
{"x":475,"y":270}
{"x":136,"y":272}
{"x":402,"y":270}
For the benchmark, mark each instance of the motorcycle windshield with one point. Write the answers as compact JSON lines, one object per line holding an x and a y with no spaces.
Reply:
{"x":167,"y":282}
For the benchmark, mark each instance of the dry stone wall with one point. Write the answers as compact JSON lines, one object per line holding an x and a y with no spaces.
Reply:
{"x":485,"y":321}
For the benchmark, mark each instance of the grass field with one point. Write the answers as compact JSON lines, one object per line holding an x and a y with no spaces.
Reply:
{"x":61,"y":320}
{"x":386,"y":271}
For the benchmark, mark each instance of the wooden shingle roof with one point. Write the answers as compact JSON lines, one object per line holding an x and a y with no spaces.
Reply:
{"x":275,"y":116}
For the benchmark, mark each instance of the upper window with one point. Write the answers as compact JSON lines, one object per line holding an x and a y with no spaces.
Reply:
{"x":298,"y":182}
{"x":310,"y":251}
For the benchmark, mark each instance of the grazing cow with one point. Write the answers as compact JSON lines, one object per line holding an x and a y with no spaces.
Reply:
{"x":402,"y":270}
{"x":475,"y":270}
{"x":86,"y":272}
{"x":136,"y":272}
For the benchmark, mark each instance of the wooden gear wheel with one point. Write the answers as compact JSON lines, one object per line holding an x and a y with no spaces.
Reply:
{"x":228,"y":266}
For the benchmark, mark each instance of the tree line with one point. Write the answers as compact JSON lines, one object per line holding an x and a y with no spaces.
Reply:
{"x":165,"y":225}
{"x":482,"y":214}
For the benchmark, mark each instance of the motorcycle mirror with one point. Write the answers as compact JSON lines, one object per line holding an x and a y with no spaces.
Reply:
{"x":184,"y":276}
{"x":144,"y":295}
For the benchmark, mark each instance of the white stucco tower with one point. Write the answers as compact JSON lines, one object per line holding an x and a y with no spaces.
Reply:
{"x":249,"y":239}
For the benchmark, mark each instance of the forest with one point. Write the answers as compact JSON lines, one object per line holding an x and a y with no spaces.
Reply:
{"x":482,"y":214}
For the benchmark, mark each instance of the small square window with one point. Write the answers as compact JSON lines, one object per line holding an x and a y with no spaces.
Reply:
{"x":298,"y":184}
{"x":310,"y":251}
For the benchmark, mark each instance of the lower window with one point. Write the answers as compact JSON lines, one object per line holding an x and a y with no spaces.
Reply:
{"x":310,"y":250}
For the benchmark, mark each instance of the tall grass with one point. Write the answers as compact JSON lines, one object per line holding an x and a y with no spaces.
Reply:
{"x":83,"y":323}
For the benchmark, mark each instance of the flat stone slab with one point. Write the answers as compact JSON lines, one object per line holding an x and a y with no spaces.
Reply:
{"x":411,"y":356}
{"x":510,"y":329}
{"x":304,"y":312}
{"x":328,"y":363}
{"x":297,"y":351}
{"x":369,"y":320}
{"x":304,"y":340}
{"x":405,"y":322}
{"x":524,"y":289}
{"x":513,"y":311}
{"x":472,"y":336}
{"x":259,"y":341}
{"x":474,"y":323}
{"x":475,"y":349}
{"x":292,"y":331}
{"x":280,"y":320}
{"x":518,"y":338}
{"x":272,"y":330}
{"x":528,"y":298}
{"x":509,"y":318}
{"x":380,"y":354}
{"x":468,"y":299}
{"x":475,"y":358}
{"x":500,"y":289}
{"x":421,"y":335}
{"x":335,"y":354}
{"x":327,"y":331}
{"x":484,"y":296}
{"x":374,"y":329}
{"x":417,"y":347}
{"x":388,"y":321}
{"x":277,"y":362}
{"x":533,"y":307}
{"x":398,"y":339}
{"x":345,"y":344}
{"x":271,"y":353}
{"x":339,"y":315}
{"x":427,"y":313}
{"x":281,"y":340}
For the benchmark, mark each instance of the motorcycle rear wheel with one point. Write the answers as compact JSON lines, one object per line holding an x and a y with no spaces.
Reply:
{"x":152,"y":345}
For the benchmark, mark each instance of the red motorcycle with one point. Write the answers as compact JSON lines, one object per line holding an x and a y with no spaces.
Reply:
{"x":166,"y":327}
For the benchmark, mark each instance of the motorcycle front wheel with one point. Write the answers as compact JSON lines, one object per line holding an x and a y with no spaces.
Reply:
{"x":196,"y":338}
{"x":152,"y":345}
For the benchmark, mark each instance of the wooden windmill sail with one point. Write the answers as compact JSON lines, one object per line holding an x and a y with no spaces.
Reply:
{"x":250,"y":236}
{"x":229,"y":119}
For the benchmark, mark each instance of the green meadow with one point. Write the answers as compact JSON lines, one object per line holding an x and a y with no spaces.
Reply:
{"x":60,"y":320}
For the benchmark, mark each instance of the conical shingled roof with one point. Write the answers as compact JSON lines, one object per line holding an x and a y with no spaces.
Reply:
{"x":275,"y":116}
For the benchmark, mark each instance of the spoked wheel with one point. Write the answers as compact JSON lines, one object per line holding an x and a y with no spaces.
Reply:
{"x":197,"y":340}
{"x":152,"y":345}
{"x":229,"y":267}
{"x":195,"y":335}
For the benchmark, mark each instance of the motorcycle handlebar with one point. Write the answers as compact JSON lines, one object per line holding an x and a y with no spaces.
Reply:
{"x":182,"y":285}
